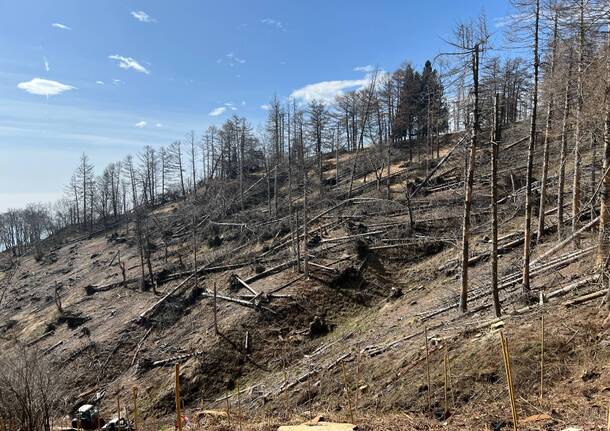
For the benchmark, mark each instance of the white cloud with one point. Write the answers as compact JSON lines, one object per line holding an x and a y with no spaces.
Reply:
{"x":217,"y":111}
{"x":99,"y":82}
{"x":158,"y":125}
{"x":47,"y":67}
{"x":231,"y":59}
{"x":508,"y":20}
{"x":61,"y":26}
{"x":243,"y":103}
{"x":366,"y":69}
{"x":129,"y":63}
{"x":141,"y":124}
{"x":265,"y":107}
{"x":274,"y":23}
{"x":117,"y":82}
{"x":142,"y":16}
{"x":326,"y":91}
{"x":44,"y":87}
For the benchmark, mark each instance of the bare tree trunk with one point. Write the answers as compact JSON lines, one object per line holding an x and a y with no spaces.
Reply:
{"x":547,"y":132}
{"x":563,"y":155}
{"x":389,"y":161}
{"x":337,"y":156}
{"x":494,"y":207}
{"x":151,"y":275}
{"x":241,"y":166}
{"x":579,"y":120}
{"x":140,"y":249}
{"x":470,"y":180}
{"x":527,"y":234}
{"x":363,"y":127}
{"x":275,"y":189}
{"x":268,"y":184}
{"x":604,"y":216}
{"x":289,"y":167}
{"x":305,"y":228}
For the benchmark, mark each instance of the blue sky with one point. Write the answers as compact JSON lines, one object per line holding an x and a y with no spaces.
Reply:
{"x":109,"y":76}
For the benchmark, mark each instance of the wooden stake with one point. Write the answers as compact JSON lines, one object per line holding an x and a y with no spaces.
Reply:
{"x":238,"y":405}
{"x":446,"y":363}
{"x":178,"y":413}
{"x":542,"y":359}
{"x":136,"y":418}
{"x":286,"y":393}
{"x":349,"y":399}
{"x":228,"y":405}
{"x":509,"y":379}
{"x":357,"y":377}
{"x":215,"y":312}
{"x":428,"y":367}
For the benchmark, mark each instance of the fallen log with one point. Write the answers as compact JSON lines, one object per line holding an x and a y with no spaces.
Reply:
{"x":350,"y":237}
{"x":433,"y":171}
{"x":566,"y":241}
{"x":153,"y":307}
{"x":586,"y":298}
{"x":135,"y":355}
{"x":246,"y":285}
{"x":176,"y":359}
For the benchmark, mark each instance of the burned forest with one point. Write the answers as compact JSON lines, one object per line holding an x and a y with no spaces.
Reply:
{"x":429,"y":250}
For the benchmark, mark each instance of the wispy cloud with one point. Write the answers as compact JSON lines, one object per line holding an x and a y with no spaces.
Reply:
{"x":99,"y":82}
{"x":158,"y":125}
{"x":274,"y":23}
{"x":366,"y":69}
{"x":44,"y":87}
{"x":129,"y":63}
{"x":141,"y":124}
{"x":508,"y":20}
{"x":231,"y":59}
{"x":142,"y":16}
{"x":217,"y":111}
{"x":266,"y":107}
{"x":61,"y":26}
{"x":231,"y":106}
{"x":47,"y":67}
{"x":327,"y":91}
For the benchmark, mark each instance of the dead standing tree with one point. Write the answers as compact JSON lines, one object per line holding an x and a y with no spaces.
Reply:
{"x":532,"y":9}
{"x":495,"y":140}
{"x":604,"y":229}
{"x":550,"y":112}
{"x":470,"y":41}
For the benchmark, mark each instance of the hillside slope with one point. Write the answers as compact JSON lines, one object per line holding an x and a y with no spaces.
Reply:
{"x":349,"y":340}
